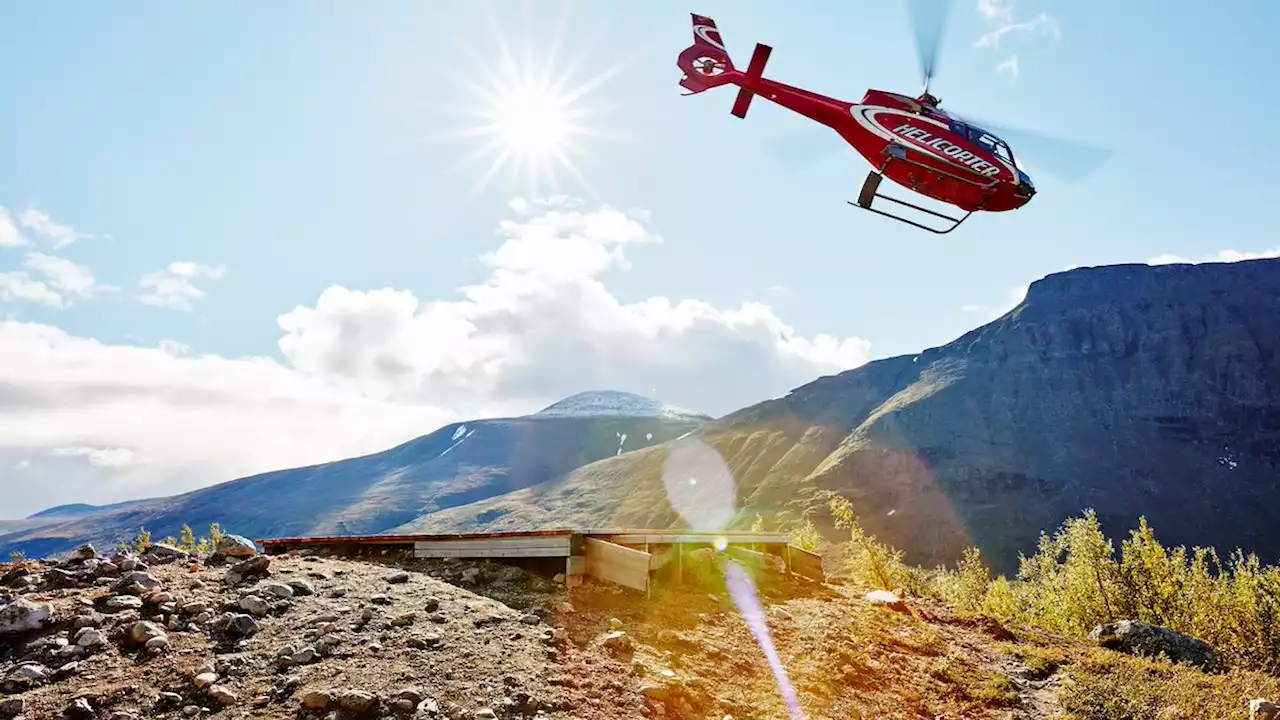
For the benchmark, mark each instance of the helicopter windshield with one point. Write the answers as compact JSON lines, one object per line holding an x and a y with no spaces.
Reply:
{"x":985,"y":139}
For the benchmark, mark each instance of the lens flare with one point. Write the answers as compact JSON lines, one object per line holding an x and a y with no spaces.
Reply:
{"x":701,"y":488}
{"x":744,"y":595}
{"x":700,"y":485}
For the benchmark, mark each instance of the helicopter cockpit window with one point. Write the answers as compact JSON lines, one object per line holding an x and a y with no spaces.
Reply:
{"x":995,"y":145}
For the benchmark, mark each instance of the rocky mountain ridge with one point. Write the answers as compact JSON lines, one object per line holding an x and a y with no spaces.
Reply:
{"x":1132,"y":389}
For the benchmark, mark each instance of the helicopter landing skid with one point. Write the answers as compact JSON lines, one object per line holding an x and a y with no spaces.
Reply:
{"x":870,"y":192}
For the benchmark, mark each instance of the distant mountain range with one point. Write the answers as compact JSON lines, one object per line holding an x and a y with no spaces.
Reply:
{"x":1131,"y":389}
{"x":458,"y":464}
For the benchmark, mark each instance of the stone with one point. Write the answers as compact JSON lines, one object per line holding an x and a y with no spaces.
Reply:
{"x":253,"y":567}
{"x":317,"y":700}
{"x":82,"y":553}
{"x":398,"y":577}
{"x":12,"y":706}
{"x":235,"y":546}
{"x":136,"y":582}
{"x":616,"y":641}
{"x":162,"y":553}
{"x":23,"y":615}
{"x":144,"y":631}
{"x":242,"y":625}
{"x":194,"y":608}
{"x":123,"y":602}
{"x":301,"y":587}
{"x":279,"y":590}
{"x":90,"y":638}
{"x":254,"y":605}
{"x":886,"y":598}
{"x":79,"y":708}
{"x":1263,"y":709}
{"x":358,"y":701}
{"x":159,"y":598}
{"x":1139,"y":638}
{"x":223,"y":695}
{"x":205,"y":679}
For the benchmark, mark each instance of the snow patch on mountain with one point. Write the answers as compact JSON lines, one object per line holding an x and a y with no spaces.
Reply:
{"x":612,"y":403}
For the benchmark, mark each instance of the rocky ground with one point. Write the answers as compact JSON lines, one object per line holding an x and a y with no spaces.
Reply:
{"x":241,"y":635}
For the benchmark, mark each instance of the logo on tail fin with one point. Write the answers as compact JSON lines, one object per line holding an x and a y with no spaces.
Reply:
{"x":710,"y":35}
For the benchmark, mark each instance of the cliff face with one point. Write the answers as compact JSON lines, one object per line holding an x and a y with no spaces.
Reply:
{"x":1131,"y":389}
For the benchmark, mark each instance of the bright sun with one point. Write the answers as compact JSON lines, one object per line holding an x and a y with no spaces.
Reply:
{"x":528,"y":118}
{"x":532,"y":121}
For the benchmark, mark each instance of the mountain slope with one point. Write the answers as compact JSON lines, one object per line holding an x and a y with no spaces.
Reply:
{"x":456,"y":465}
{"x":1132,"y":389}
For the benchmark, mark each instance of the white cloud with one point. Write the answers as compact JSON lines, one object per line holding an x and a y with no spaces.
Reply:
{"x":10,"y":236}
{"x":174,"y":287}
{"x":1042,"y":23}
{"x":1220,"y":256}
{"x":112,"y":422}
{"x":542,"y":325}
{"x":98,"y":457}
{"x":20,"y":286}
{"x":996,"y":10}
{"x":69,"y":277}
{"x":1009,"y":65}
{"x":59,"y":235}
{"x":61,"y":278}
{"x":115,"y":422}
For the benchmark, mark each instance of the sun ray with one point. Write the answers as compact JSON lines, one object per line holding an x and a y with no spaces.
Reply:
{"x":530,"y":116}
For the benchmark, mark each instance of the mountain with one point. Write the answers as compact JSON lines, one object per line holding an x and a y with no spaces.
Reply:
{"x":610,"y":403}
{"x":78,"y":510}
{"x":455,"y":465}
{"x":1132,"y":389}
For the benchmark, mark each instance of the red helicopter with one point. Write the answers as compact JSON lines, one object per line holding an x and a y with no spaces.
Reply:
{"x":910,"y":140}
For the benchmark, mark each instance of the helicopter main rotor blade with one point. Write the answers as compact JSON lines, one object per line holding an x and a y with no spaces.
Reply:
{"x":800,"y":149}
{"x":928,"y":23}
{"x":1067,"y":160}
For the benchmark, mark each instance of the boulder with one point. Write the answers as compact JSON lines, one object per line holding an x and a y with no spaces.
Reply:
{"x":23,"y":615}
{"x":1139,"y":638}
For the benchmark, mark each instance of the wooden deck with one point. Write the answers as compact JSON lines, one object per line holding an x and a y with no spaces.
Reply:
{"x":628,"y":557}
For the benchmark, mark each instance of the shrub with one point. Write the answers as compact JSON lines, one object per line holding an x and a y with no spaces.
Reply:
{"x":1077,"y":580}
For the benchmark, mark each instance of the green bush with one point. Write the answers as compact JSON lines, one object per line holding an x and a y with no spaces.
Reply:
{"x":1077,"y":579}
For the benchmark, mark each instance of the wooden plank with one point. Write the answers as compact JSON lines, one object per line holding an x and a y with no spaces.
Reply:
{"x":753,"y":560}
{"x":559,"y":544}
{"x":617,"y":564}
{"x":692,"y":538}
{"x":398,"y":539}
{"x":806,"y":564}
{"x":491,"y":553}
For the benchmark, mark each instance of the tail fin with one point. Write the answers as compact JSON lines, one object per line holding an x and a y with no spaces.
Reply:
{"x":706,"y":62}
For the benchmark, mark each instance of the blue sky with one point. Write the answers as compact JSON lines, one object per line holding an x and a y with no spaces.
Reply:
{"x":276,"y":150}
